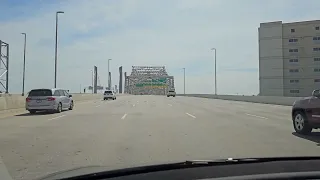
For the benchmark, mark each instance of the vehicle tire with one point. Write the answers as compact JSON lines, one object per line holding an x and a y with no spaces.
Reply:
{"x":174,"y":96}
{"x":71,"y":105}
{"x":32,"y":111}
{"x":59,"y":108}
{"x":300,"y":123}
{"x":167,"y":96}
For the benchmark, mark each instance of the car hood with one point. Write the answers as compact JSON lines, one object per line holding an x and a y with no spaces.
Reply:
{"x":94,"y":171}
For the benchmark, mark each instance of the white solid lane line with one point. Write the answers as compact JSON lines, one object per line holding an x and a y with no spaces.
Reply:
{"x":190,"y":115}
{"x":56,"y":117}
{"x":256,"y":116}
{"x":124,"y":116}
{"x":169,"y":104}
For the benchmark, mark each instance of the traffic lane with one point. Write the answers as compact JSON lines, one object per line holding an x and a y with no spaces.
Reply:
{"x":271,"y":136}
{"x":50,"y":143}
{"x":141,"y":130}
{"x":276,"y":113}
{"x":21,"y":121}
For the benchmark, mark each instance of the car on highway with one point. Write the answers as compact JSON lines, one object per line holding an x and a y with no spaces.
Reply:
{"x":49,"y":100}
{"x":108,"y":94}
{"x":171,"y":93}
{"x":306,"y":113}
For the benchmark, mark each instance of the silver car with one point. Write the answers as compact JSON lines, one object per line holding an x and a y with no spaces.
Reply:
{"x":48,"y":100}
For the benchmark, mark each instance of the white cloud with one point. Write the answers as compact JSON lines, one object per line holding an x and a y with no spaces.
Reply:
{"x":175,"y":33}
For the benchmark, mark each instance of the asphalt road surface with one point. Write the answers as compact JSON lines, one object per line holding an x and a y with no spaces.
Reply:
{"x":139,"y":130}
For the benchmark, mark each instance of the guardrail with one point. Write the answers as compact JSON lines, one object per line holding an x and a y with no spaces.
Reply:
{"x":287,"y":101}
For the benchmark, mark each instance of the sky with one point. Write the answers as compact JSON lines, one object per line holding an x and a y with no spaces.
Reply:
{"x":172,"y":33}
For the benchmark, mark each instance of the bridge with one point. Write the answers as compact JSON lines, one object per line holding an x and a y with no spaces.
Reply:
{"x":152,"y":80}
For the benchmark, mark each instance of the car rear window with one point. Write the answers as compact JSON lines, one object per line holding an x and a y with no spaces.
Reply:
{"x":40,"y":92}
{"x":108,"y":92}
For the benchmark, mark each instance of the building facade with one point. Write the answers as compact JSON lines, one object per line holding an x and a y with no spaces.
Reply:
{"x":289,"y":58}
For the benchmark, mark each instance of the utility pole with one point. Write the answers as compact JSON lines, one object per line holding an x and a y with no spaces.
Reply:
{"x":215,"y":70}
{"x":108,"y":74}
{"x":24,"y":62}
{"x":184,"y":80}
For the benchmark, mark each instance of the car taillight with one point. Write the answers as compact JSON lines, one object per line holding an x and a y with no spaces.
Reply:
{"x":28,"y":99}
{"x":51,"y":98}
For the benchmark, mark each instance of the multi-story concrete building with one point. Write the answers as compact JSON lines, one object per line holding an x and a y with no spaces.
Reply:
{"x":289,"y":58}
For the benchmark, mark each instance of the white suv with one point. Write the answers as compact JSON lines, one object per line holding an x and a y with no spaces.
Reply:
{"x":108,"y":94}
{"x":171,"y":93}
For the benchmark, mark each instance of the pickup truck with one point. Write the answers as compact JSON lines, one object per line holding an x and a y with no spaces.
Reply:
{"x":306,"y":113}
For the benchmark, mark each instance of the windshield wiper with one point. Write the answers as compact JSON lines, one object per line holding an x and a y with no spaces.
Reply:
{"x":249,"y":160}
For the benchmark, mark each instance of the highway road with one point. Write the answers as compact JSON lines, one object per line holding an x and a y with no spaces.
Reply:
{"x":139,"y":130}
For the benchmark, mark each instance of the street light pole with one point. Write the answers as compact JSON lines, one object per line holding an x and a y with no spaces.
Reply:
{"x":215,"y":70}
{"x":56,"y":50}
{"x":109,"y":73}
{"x":184,"y":80}
{"x":24,"y":62}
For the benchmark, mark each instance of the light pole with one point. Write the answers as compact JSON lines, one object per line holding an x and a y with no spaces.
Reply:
{"x":215,"y":70}
{"x":56,"y":50}
{"x":109,"y":73}
{"x":184,"y":80}
{"x":24,"y":62}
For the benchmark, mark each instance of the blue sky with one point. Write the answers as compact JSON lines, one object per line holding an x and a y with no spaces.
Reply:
{"x":174,"y":33}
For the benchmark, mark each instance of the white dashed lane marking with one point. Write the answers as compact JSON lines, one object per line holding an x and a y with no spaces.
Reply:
{"x":124,"y":116}
{"x":261,"y":117}
{"x":191,"y":115}
{"x":56,"y":117}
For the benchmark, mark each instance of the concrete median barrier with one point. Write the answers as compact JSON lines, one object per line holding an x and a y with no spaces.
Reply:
{"x":278,"y":100}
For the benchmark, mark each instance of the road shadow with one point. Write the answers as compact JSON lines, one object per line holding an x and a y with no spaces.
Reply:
{"x":313,"y":136}
{"x":41,"y":113}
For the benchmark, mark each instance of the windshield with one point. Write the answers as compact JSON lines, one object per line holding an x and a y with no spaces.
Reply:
{"x":144,"y":82}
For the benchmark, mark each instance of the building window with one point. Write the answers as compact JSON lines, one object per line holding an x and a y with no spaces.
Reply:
{"x":317,"y":80}
{"x":316,"y":59}
{"x":317,"y":28}
{"x":316,"y":69}
{"x":316,"y":38}
{"x":294,"y":91}
{"x":293,"y":70}
{"x":293,"y":40}
{"x":316,"y":49}
{"x":293,"y":60}
{"x":293,"y":50}
{"x":293,"y":30}
{"x":294,"y":80}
